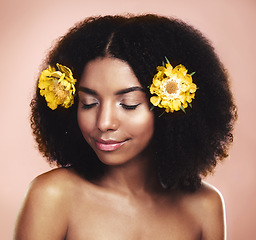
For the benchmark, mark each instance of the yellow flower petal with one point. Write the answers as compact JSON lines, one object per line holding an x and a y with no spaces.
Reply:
{"x":53,"y":105}
{"x":185,"y":105}
{"x":50,"y":97}
{"x":65,"y":70}
{"x":58,"y":87}
{"x":173,"y":86}
{"x":193,"y":88}
{"x":176,"y":105}
{"x":180,"y":68}
{"x":168,"y":70}
{"x":155,"y":100}
{"x":156,"y":82}
{"x":188,"y":78}
{"x":184,"y":87}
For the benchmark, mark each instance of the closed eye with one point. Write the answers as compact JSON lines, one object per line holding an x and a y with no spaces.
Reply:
{"x":88,"y":106}
{"x":130,"y":107}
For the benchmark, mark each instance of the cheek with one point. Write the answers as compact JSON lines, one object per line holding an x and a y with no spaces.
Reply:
{"x":143,"y":126}
{"x":85,"y":123}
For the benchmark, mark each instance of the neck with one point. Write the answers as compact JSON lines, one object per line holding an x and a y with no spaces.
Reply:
{"x":138,"y":176}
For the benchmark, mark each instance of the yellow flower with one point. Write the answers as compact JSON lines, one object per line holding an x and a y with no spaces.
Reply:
{"x":57,"y":86}
{"x":173,"y":88}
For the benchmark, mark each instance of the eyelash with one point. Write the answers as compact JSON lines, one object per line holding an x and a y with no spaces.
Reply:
{"x":126,"y":107}
{"x":129,"y":107}
{"x":88,"y":106}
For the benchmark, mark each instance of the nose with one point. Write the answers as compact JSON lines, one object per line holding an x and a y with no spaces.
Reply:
{"x":107,"y":119}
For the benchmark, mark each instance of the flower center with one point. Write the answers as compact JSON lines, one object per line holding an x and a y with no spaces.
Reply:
{"x":60,"y":92}
{"x":171,"y":87}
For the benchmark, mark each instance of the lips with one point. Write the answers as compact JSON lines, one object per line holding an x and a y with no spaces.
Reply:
{"x":109,"y":145}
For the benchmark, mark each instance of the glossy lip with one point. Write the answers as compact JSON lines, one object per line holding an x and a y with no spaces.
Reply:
{"x":108,"y":145}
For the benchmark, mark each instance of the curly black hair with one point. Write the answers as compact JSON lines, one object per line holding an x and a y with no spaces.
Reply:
{"x":188,"y":145}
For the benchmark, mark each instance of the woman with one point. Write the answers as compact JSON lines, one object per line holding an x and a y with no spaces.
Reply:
{"x":132,"y":139}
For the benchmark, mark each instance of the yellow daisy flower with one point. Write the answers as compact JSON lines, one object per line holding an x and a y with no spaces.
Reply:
{"x":173,"y":88}
{"x":57,"y":86}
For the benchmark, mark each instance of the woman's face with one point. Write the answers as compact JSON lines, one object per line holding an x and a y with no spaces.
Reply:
{"x":113,"y":112}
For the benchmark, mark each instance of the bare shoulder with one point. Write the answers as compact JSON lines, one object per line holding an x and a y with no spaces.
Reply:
{"x":46,"y":204}
{"x":207,"y":205}
{"x":52,"y":185}
{"x":58,"y":178}
{"x":209,"y":197}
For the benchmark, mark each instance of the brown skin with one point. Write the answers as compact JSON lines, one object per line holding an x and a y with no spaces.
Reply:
{"x":62,"y":204}
{"x":127,"y":202}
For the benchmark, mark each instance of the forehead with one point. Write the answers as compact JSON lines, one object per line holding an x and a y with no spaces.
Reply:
{"x":109,"y":74}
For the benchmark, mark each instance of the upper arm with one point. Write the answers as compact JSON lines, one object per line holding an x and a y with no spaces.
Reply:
{"x":213,"y":216}
{"x":44,"y":212}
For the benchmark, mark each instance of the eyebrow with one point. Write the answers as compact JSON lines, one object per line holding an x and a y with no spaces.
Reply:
{"x":87,"y":90}
{"x":120,"y":92}
{"x":127,"y":90}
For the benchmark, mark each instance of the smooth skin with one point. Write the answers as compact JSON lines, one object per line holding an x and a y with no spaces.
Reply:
{"x":127,"y":202}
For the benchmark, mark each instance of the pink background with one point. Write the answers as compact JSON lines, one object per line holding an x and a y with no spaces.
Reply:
{"x":28,"y":29}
